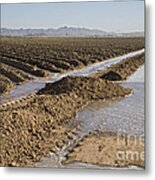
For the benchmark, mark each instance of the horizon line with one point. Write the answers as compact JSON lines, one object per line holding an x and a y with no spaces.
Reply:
{"x":67,"y":26}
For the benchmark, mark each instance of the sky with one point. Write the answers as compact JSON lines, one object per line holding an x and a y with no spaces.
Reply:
{"x":114,"y":16}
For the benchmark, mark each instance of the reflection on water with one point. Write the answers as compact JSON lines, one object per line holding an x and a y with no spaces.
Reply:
{"x":123,"y":115}
{"x":120,"y":115}
{"x":138,"y":76}
{"x":22,"y":91}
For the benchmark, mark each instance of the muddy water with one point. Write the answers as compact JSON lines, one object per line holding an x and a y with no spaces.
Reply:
{"x":124,"y":115}
{"x":32,"y":87}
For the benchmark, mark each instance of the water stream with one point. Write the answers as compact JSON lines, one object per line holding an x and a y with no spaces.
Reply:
{"x":124,"y":115}
{"x":34,"y":86}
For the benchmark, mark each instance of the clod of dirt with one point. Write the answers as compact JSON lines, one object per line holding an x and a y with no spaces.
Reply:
{"x":112,"y":76}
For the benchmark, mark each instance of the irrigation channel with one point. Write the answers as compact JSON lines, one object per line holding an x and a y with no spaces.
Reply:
{"x":31,"y":87}
{"x":124,"y":115}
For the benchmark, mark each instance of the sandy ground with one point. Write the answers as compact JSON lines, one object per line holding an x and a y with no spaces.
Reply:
{"x":108,"y":149}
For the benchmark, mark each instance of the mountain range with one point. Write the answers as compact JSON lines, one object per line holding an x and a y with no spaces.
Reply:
{"x":67,"y":32}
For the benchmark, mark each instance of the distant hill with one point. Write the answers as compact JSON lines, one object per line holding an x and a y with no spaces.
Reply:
{"x":66,"y":31}
{"x":132,"y":34}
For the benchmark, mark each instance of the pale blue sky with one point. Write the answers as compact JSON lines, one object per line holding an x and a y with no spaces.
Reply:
{"x":109,"y":16}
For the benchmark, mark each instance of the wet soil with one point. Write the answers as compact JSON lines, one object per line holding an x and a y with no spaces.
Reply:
{"x":37,"y":126}
{"x":109,"y":149}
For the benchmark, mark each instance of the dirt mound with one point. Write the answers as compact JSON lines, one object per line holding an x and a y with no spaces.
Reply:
{"x":122,"y":70}
{"x":112,"y":76}
{"x":38,"y":127}
{"x":85,"y":87}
